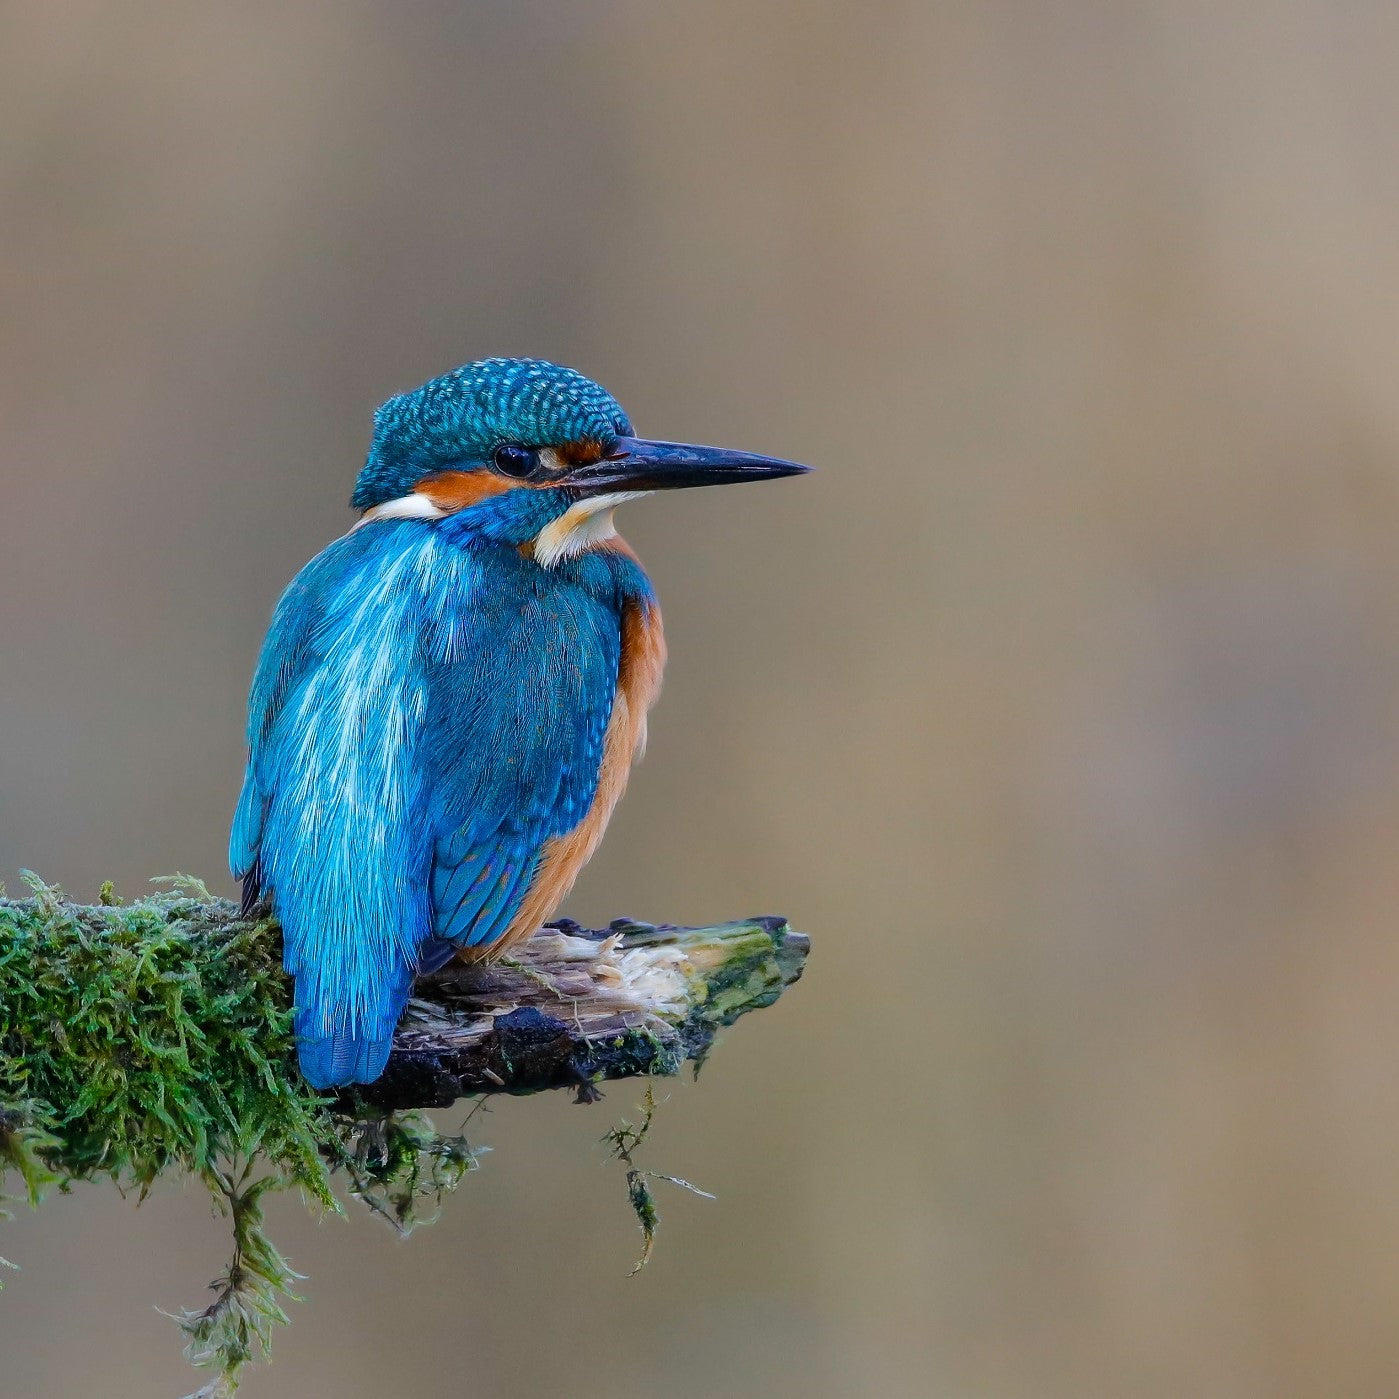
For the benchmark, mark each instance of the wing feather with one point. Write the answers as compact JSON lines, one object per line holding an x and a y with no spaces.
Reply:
{"x":515,"y":725}
{"x":330,"y":824}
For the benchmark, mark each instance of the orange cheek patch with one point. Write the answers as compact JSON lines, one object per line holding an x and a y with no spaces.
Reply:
{"x":455,"y":490}
{"x":579,"y":453}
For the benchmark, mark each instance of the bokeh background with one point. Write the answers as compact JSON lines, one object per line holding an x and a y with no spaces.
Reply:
{"x":1061,"y":707}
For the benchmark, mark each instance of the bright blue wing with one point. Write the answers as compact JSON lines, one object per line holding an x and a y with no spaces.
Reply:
{"x":286,"y":651}
{"x":300,"y":634}
{"x":331,"y":822}
{"x":519,"y":694}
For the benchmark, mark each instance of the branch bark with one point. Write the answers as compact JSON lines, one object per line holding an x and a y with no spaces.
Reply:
{"x":576,"y":1006}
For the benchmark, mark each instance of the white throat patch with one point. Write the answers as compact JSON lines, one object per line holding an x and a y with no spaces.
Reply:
{"x":581,"y":526}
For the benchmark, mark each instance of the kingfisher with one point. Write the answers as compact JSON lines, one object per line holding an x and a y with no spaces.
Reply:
{"x":450,"y":697}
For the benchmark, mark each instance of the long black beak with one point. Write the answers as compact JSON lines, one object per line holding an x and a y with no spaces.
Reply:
{"x":635,"y":464}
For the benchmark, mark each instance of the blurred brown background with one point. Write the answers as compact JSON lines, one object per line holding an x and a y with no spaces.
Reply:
{"x":1061,"y":707}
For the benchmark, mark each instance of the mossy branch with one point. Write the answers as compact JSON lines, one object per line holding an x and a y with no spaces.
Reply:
{"x":141,"y":1038}
{"x":153,"y":1024}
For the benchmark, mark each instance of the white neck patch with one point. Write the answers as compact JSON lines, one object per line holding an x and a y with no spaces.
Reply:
{"x":414,"y":506}
{"x":581,"y":526}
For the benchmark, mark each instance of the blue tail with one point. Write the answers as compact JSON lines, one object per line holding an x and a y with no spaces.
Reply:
{"x":338,"y":1046}
{"x":342,"y":1059}
{"x":344,"y":1039}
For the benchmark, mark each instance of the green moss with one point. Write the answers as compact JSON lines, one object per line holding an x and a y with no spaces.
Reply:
{"x":22,"y":1140}
{"x":147,"y":1035}
{"x":397,"y":1163}
{"x":155,"y":1036}
{"x":624,"y":1139}
{"x":750,"y":976}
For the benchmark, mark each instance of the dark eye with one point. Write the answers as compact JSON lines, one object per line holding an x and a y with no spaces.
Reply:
{"x":511,"y":459}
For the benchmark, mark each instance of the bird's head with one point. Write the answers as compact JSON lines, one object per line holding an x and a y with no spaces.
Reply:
{"x":551,"y":451}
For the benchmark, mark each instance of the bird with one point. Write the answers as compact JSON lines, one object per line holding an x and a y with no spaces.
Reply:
{"x":451,"y":695}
